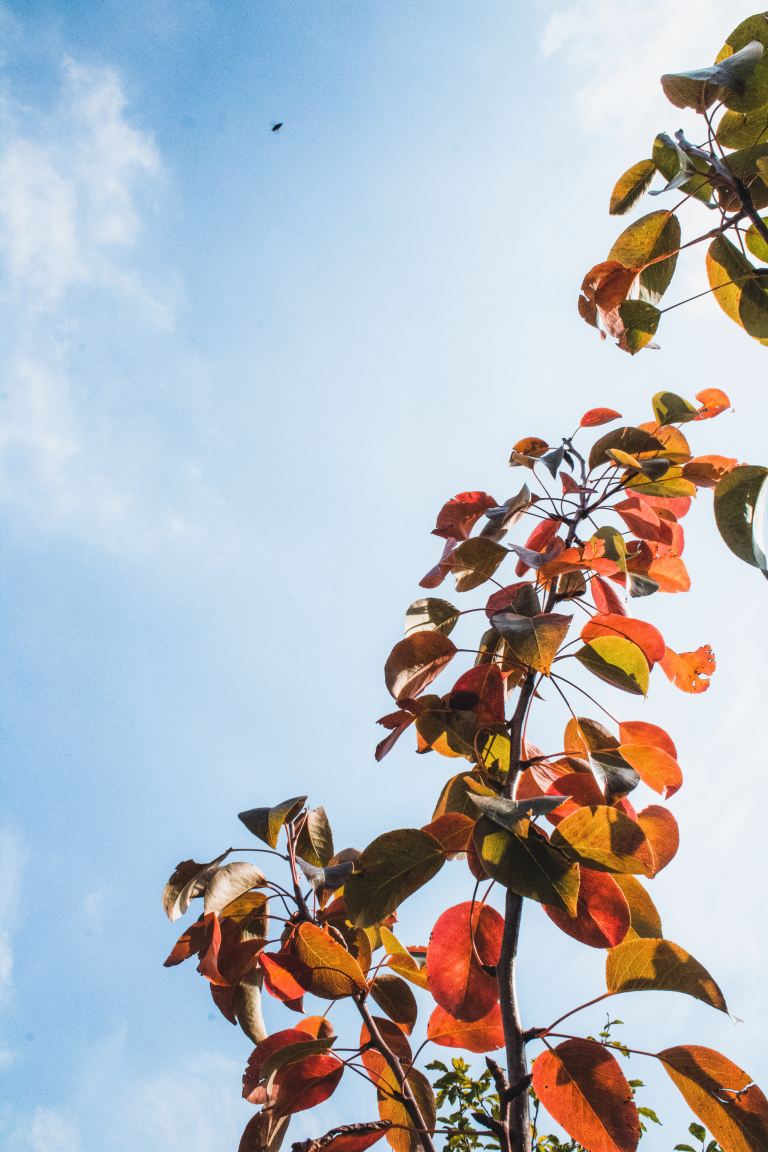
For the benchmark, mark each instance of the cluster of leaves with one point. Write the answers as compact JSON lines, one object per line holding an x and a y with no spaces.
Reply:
{"x":726,"y":171}
{"x":557,"y":827}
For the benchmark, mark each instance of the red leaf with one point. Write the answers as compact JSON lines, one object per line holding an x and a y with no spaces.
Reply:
{"x":639,"y":732}
{"x":582,"y":790}
{"x":397,"y":722}
{"x":583,"y":1088}
{"x":484,"y":1035}
{"x":262,"y":1053}
{"x":416,"y":661}
{"x":647,"y":638}
{"x":643,"y":520}
{"x":348,"y":1138}
{"x":306,"y":1083}
{"x":457,"y":979}
{"x":453,"y":832}
{"x":480,"y":690}
{"x":195,"y":940}
{"x":602,"y":914}
{"x":690,"y":671}
{"x":538,"y":541}
{"x":597,"y":416}
{"x":436,"y":575}
{"x":456,"y":519}
{"x":606,"y":599}
{"x":285,"y":977}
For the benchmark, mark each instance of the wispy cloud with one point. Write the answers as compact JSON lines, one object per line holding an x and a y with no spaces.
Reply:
{"x":615,"y":50}
{"x":80,"y":184}
{"x":71,"y":182}
{"x":10,"y":894}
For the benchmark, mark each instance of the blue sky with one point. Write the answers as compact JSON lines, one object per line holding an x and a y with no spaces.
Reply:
{"x":240,"y":373}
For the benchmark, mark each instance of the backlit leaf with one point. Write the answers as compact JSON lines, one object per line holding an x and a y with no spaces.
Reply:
{"x":738,"y":288}
{"x":475,"y":561}
{"x":230,"y":882}
{"x":645,"y":965}
{"x":465,"y":941}
{"x":348,"y":1138}
{"x":606,"y":839}
{"x":188,"y":882}
{"x":753,"y":92}
{"x":483,"y":1035}
{"x":597,"y":416}
{"x":663,"y":834}
{"x":631,"y":186}
{"x":647,"y":638}
{"x":416,"y":661}
{"x":431,"y":614}
{"x":526,"y":863}
{"x":392,"y":1109}
{"x":602,"y":917}
{"x":315,"y":840}
{"x":640,"y":319}
{"x":457,"y":518}
{"x":628,"y":439}
{"x":266,"y":823}
{"x":725,"y":81}
{"x":721,"y":1094}
{"x":333,"y":971}
{"x":390,"y":869}
{"x":305,"y":1083}
{"x":533,"y":640}
{"x":583,"y":1088}
{"x":644,"y":919}
{"x":617,"y":661}
{"x":689,"y":671}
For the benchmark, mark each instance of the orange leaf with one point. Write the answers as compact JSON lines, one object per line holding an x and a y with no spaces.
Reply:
{"x":484,"y":1035}
{"x":647,"y":638}
{"x":706,"y":471}
{"x":690,"y":671}
{"x":713,"y":402}
{"x":721,"y":1094}
{"x":654,"y":766}
{"x":583,"y":1088}
{"x":662,"y":833}
{"x":306,"y":1083}
{"x":640,"y":732}
{"x":459,"y":947}
{"x":285,"y":977}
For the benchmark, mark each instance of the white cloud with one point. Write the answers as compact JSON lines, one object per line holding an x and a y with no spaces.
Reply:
{"x":71,"y":180}
{"x":615,"y":50}
{"x":46,"y":1131}
{"x":10,"y":893}
{"x":78,"y":181}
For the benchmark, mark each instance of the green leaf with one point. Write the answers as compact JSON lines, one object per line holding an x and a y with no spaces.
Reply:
{"x":617,"y":661}
{"x":755,"y":242}
{"x":738,"y":288}
{"x":533,"y":640}
{"x":669,"y":408}
{"x":526,"y":863}
{"x":475,"y":561}
{"x":656,"y":278}
{"x":644,"y":240}
{"x":628,"y":439}
{"x":743,"y":129}
{"x":606,"y":839}
{"x":670,"y":162}
{"x":431,"y":614}
{"x":640,"y":320}
{"x":754,"y":92}
{"x":725,"y":80}
{"x":265,"y":823}
{"x":631,"y":186}
{"x":740,"y":513}
{"x":391,"y":868}
{"x":315,"y":840}
{"x":661,"y":966}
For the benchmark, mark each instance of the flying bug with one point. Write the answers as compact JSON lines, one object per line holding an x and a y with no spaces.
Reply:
{"x":278,"y":126}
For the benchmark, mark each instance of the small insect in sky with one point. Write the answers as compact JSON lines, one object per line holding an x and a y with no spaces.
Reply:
{"x":278,"y":126}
